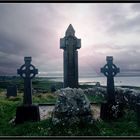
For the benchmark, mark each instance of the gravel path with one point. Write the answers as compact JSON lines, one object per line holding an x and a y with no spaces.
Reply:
{"x":95,"y":111}
{"x":45,"y":111}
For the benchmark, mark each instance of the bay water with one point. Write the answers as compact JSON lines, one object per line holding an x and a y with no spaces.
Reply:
{"x":119,"y":81}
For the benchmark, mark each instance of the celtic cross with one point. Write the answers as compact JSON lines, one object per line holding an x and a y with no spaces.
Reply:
{"x":27,"y":71}
{"x":110,"y":70}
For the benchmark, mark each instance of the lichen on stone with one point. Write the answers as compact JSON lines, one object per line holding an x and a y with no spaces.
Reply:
{"x":72,"y":107}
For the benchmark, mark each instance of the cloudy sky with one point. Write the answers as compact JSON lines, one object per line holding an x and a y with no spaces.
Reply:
{"x":35,"y":30}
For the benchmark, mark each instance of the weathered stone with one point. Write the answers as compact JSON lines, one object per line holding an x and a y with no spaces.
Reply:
{"x":97,"y":84}
{"x":53,"y":88}
{"x":111,"y":109}
{"x":27,"y":111}
{"x":110,"y":70}
{"x":27,"y":72}
{"x":130,"y":97}
{"x":95,"y":91}
{"x":11,"y":91}
{"x":70,"y":44}
{"x":72,"y":107}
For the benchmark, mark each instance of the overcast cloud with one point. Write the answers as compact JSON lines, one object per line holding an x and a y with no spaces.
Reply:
{"x":35,"y":30}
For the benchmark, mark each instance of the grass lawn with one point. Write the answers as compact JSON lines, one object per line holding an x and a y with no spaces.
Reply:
{"x":125,"y":126}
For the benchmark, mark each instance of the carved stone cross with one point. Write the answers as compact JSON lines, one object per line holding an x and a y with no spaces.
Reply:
{"x":27,"y":71}
{"x":110,"y":70}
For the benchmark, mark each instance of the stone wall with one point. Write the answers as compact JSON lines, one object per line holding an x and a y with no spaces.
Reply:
{"x":122,"y":95}
{"x":128,"y":96}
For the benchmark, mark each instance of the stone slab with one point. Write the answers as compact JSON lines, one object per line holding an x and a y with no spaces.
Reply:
{"x":27,"y":113}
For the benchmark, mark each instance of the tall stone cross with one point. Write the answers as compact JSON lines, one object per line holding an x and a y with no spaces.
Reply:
{"x":70,"y":43}
{"x":110,"y":70}
{"x":27,"y":71}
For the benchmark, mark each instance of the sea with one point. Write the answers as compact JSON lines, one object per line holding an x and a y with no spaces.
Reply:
{"x":92,"y":80}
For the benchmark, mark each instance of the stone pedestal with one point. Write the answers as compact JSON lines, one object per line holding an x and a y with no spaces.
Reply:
{"x":27,"y":113}
{"x":138,"y":113}
{"x":110,"y":111}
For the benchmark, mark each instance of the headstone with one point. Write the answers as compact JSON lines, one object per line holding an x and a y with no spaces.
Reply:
{"x":111,"y":109}
{"x":53,"y":88}
{"x":97,"y":84}
{"x":27,"y":111}
{"x":11,"y":91}
{"x":70,"y":43}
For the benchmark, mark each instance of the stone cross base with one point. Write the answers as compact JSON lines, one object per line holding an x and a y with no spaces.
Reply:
{"x":138,"y":113}
{"x":110,"y":111}
{"x":27,"y":113}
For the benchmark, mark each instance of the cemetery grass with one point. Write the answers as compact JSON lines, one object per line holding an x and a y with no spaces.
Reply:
{"x":125,"y":126}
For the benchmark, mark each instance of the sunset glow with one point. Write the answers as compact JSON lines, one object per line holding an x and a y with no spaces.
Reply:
{"x":35,"y":30}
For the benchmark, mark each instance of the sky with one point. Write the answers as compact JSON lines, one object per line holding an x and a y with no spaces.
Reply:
{"x":35,"y":29}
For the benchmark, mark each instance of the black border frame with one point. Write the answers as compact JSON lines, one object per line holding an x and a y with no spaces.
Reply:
{"x":70,"y":137}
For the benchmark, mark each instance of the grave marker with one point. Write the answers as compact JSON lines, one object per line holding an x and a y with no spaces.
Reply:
{"x":27,"y":111}
{"x":27,"y":72}
{"x":111,"y":109}
{"x":53,"y":88}
{"x":110,"y":70}
{"x":11,"y":91}
{"x":70,"y":43}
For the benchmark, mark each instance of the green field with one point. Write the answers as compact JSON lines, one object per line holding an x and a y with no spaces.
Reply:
{"x":125,"y":126}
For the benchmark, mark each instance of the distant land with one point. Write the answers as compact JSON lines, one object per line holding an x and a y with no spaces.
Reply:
{"x":81,"y":76}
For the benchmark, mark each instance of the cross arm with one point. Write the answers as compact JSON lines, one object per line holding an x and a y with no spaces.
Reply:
{"x":34,"y":71}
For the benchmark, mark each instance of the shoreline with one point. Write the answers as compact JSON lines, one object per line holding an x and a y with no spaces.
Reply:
{"x":91,"y":84}
{"x":119,"y":81}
